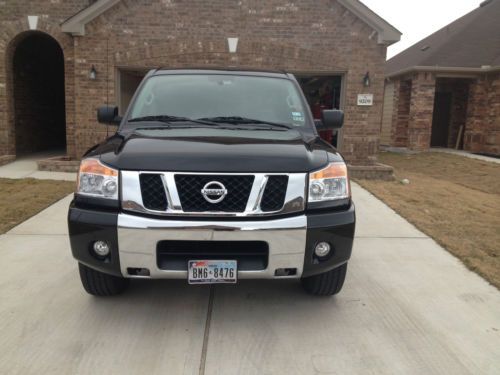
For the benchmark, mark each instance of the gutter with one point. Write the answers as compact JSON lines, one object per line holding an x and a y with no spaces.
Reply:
{"x":443,"y":69}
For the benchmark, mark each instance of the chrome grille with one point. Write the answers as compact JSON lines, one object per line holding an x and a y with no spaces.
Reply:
{"x":180,"y":194}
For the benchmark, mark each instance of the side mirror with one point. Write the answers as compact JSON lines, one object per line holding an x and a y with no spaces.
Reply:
{"x":108,"y":115}
{"x":331,"y":119}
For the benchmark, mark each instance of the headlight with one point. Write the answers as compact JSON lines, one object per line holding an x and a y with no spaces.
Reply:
{"x":330,"y":183}
{"x":97,"y":180}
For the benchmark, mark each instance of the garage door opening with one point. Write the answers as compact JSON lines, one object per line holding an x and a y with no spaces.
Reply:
{"x":322,"y":92}
{"x":128,"y":81}
{"x":39,"y":102}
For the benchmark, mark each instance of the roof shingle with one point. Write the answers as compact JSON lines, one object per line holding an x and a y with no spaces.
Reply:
{"x":472,"y":41}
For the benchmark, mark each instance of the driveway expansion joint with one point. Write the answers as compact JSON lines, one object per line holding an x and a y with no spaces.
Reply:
{"x":206,"y":334}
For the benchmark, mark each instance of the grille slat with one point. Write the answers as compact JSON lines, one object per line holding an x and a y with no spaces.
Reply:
{"x":238,"y":191}
{"x":153,"y":192}
{"x":274,"y":195}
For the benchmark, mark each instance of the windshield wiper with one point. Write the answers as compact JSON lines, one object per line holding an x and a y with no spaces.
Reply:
{"x":170,"y":119}
{"x":242,"y":120}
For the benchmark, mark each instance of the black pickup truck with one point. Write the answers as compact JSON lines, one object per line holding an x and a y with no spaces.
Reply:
{"x":213,"y":176}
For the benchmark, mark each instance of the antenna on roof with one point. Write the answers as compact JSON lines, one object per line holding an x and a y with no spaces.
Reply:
{"x":485,"y":2}
{"x":424,"y":48}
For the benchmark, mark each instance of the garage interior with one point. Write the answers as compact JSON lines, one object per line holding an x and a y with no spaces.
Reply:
{"x":321,"y":91}
{"x":128,"y":81}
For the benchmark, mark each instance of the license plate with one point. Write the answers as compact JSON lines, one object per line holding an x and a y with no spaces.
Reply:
{"x":212,"y":271}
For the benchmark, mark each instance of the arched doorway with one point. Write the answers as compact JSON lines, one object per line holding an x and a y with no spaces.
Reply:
{"x":39,"y":102}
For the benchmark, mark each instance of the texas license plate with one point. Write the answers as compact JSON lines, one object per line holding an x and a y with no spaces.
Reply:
{"x":212,"y":271}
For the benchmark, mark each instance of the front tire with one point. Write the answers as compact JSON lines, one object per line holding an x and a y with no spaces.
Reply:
{"x":327,"y":283}
{"x":101,"y":284}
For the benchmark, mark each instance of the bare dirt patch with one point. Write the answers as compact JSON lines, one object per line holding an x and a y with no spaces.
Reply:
{"x":455,"y":200}
{"x":23,"y":198}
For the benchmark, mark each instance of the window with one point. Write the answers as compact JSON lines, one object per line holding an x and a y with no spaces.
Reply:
{"x":200,"y":96}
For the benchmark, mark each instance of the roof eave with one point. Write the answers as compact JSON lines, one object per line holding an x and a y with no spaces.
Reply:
{"x":444,"y":69}
{"x":387,"y":34}
{"x":75,"y":25}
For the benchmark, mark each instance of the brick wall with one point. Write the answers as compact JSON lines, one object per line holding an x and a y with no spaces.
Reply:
{"x":475,"y":105}
{"x":401,"y":114}
{"x":413,"y":110}
{"x":483,"y":116}
{"x":421,"y":110}
{"x":14,"y":28}
{"x":306,"y":36}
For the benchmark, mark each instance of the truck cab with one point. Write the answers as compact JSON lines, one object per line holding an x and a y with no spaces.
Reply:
{"x":213,"y":176}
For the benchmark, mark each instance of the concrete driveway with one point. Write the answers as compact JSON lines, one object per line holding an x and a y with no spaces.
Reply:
{"x":407,"y":307}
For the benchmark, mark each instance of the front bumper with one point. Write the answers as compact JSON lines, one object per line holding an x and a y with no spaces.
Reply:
{"x":134,"y":240}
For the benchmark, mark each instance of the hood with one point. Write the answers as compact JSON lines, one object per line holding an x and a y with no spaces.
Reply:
{"x":215,"y":150}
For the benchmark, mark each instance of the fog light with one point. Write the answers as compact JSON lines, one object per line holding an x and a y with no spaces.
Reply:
{"x":101,"y":248}
{"x":322,"y":249}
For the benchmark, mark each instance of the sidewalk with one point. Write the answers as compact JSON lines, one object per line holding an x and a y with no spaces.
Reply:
{"x":404,"y":150}
{"x":466,"y":154}
{"x":26,"y":167}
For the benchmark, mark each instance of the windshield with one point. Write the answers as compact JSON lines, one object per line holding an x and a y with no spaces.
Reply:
{"x":199,"y":96}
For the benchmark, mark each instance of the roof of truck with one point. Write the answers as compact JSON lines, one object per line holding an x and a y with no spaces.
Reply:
{"x":230,"y":71}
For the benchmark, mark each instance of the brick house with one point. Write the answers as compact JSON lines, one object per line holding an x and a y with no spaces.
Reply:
{"x":61,"y":59}
{"x":445,"y":90}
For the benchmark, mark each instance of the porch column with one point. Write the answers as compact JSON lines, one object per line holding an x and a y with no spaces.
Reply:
{"x":401,"y":112}
{"x":423,"y":89}
{"x":475,"y":126}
